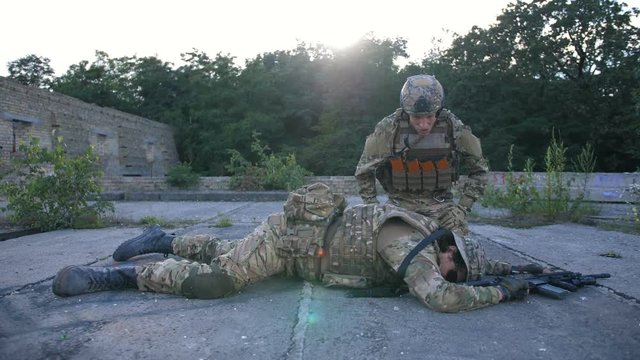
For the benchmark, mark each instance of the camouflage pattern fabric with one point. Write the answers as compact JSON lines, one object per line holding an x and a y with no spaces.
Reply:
{"x":421,"y":94}
{"x":312,"y":203}
{"x":497,"y":267}
{"x":476,"y":260}
{"x":424,"y":278}
{"x":256,"y":257}
{"x":251,"y":259}
{"x":167,"y":276}
{"x":427,"y":284}
{"x":379,"y":147}
{"x":202,"y":248}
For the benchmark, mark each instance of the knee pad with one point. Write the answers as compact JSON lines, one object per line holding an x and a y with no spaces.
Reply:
{"x":207,"y":286}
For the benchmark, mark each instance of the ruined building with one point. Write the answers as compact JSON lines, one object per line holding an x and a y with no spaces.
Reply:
{"x":128,"y":145}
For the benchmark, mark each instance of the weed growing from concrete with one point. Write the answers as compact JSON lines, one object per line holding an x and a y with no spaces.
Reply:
{"x":634,"y":215}
{"x":553,"y":201}
{"x":152,"y":220}
{"x":223,"y":221}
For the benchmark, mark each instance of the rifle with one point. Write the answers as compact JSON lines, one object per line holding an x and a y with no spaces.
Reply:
{"x":554,"y":285}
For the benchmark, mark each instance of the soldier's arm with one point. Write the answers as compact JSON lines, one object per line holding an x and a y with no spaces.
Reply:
{"x":372,"y":156}
{"x":427,"y":284}
{"x":366,"y":179}
{"x":470,"y":152}
{"x":377,"y":148}
{"x":496,"y":267}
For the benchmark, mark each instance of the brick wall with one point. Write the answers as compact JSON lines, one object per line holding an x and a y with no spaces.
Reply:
{"x":128,"y":145}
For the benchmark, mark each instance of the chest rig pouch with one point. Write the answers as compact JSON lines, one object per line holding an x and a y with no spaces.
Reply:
{"x":423,"y":163}
{"x":308,"y":211}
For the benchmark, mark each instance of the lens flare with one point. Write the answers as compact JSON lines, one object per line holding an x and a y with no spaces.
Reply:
{"x":312,"y":318}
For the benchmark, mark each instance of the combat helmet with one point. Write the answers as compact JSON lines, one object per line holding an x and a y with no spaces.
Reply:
{"x":421,"y":94}
{"x":473,"y":255}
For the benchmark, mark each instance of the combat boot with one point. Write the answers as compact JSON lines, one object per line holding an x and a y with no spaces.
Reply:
{"x":76,"y":280}
{"x":152,"y":240}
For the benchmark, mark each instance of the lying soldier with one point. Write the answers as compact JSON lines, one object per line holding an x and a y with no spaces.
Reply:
{"x":317,"y":239}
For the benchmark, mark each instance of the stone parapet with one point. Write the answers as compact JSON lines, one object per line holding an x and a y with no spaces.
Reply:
{"x":598,"y":187}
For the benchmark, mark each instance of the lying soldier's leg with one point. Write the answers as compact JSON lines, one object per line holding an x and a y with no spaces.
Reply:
{"x":152,"y":240}
{"x":254,"y":257}
{"x":75,"y":280}
{"x":191,"y":279}
{"x":201,"y":248}
{"x":250,"y":260}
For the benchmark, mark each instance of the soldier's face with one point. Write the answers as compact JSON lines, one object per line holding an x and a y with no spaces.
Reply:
{"x":448,"y":267}
{"x":422,"y":123}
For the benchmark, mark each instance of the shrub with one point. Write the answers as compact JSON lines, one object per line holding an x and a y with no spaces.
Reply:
{"x":223,"y":222}
{"x":271,"y":172}
{"x":49,"y":190}
{"x":182,"y":176}
{"x":554,"y":202}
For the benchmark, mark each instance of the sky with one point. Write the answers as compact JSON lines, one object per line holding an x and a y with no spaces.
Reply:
{"x":69,"y":31}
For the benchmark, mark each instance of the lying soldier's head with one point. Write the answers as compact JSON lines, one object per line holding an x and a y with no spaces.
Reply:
{"x":460,"y":259}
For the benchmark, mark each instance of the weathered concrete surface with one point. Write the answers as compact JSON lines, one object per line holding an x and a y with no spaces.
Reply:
{"x":291,"y":319}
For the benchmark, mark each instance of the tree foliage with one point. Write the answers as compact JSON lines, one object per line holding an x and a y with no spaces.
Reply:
{"x":32,"y":70}
{"x":571,"y":66}
{"x":565,"y":65}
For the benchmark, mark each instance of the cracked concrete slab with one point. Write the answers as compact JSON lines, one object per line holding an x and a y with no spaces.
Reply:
{"x":283,"y":318}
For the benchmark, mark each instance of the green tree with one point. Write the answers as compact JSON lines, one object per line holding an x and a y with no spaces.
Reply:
{"x":549,"y":65}
{"x":359,"y":86}
{"x":104,"y":82}
{"x":155,"y":88}
{"x":32,"y":70}
{"x":207,"y":111}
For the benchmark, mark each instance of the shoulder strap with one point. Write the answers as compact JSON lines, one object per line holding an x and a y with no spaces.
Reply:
{"x":421,"y":245}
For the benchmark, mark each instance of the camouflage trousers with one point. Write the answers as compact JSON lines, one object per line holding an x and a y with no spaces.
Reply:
{"x":245,"y":261}
{"x":431,"y":209}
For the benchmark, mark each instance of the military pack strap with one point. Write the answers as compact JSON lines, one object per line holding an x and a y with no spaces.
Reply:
{"x":421,"y":245}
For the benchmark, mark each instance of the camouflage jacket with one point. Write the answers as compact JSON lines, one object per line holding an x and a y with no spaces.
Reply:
{"x":378,"y":148}
{"x":356,"y":257}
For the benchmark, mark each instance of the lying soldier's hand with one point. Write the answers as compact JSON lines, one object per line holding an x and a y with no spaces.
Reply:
{"x":513,"y":289}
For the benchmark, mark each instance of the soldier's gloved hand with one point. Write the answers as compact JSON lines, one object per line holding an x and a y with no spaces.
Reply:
{"x":513,"y":289}
{"x":454,"y":216}
{"x":528,"y":268}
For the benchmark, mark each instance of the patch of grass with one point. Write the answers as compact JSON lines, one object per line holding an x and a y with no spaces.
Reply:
{"x":151,"y":220}
{"x":612,"y":254}
{"x":223,"y":222}
{"x":88,"y":219}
